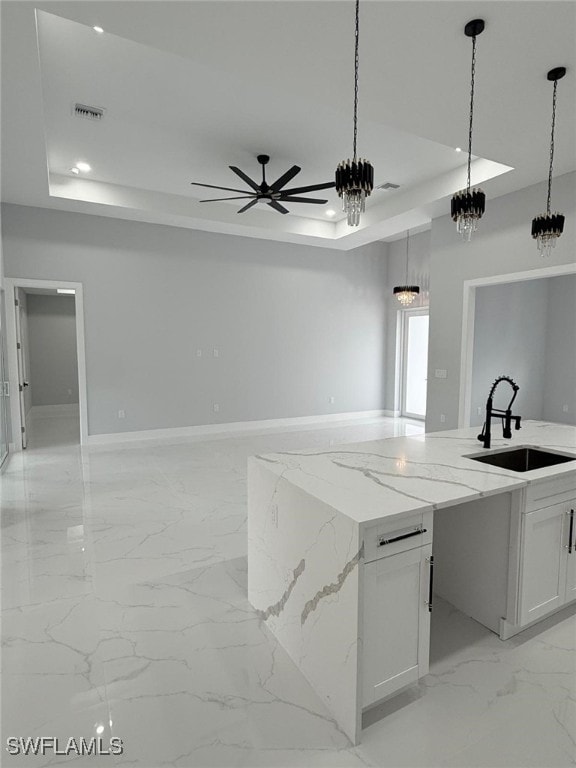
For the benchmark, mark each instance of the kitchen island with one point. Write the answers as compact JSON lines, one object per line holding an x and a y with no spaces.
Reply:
{"x":342,"y":543}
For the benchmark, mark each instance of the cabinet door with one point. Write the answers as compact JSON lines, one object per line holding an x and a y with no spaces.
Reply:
{"x":570,"y":550}
{"x":543,"y":573}
{"x":396,"y":627}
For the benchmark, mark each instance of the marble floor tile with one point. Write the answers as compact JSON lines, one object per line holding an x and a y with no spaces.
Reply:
{"x":124,"y":613}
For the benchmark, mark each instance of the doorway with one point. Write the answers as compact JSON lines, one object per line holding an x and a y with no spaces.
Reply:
{"x":414,"y":365}
{"x":45,"y":335}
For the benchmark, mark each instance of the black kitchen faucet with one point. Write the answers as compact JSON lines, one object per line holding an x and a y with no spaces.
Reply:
{"x":496,"y":413}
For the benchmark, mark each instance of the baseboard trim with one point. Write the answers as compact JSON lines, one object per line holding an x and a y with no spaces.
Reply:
{"x":54,"y":410}
{"x":235,"y":428}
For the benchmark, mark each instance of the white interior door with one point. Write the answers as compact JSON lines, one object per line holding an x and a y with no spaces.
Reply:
{"x":4,"y":386}
{"x":22,"y":372}
{"x":414,"y":362}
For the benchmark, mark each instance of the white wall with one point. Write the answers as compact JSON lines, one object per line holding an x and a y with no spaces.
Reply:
{"x":294,"y":325}
{"x":560,"y":359}
{"x":52,"y":345}
{"x":502,"y":245}
{"x":418,"y":274}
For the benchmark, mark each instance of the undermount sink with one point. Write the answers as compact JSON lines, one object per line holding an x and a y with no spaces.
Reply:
{"x":523,"y":459}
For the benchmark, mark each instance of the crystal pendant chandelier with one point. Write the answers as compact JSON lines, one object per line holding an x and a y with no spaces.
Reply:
{"x":547,"y":227}
{"x":355,"y":179}
{"x":406,"y":293}
{"x":469,"y":204}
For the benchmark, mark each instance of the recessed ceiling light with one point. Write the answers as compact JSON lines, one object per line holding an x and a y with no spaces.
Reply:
{"x":75,"y":171}
{"x":99,"y":30}
{"x":65,"y":290}
{"x":458,"y":149}
{"x":330,"y":212}
{"x":82,"y":166}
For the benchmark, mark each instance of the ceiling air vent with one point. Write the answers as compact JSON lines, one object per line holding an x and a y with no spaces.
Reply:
{"x":388,"y":185}
{"x":90,"y":113}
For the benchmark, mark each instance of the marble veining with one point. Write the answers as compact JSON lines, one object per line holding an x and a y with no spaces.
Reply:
{"x":124,"y":609}
{"x":276,"y":608}
{"x":331,"y":589}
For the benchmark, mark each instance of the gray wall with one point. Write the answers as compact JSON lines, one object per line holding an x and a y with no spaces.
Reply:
{"x":527,"y":330}
{"x":52,"y":345}
{"x":510,"y":339}
{"x":560,"y":358}
{"x":294,"y":325}
{"x":502,"y":245}
{"x":418,"y":274}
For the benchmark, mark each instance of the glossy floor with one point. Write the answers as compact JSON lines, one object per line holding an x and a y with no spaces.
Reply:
{"x":125,"y":614}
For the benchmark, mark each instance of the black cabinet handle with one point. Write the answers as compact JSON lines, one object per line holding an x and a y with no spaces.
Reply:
{"x":431,"y":583}
{"x":570,"y":545}
{"x":382,"y":541}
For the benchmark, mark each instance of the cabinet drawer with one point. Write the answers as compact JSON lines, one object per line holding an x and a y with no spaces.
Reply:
{"x":397,"y":535}
{"x":548,"y":492}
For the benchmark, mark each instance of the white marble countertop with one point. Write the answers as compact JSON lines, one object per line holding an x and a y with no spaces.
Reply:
{"x":382,"y":478}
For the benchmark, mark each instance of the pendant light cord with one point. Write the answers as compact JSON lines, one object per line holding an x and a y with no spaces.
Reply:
{"x":551,"y":148}
{"x":356,"y":62}
{"x":407,"y":242}
{"x":472,"y":83}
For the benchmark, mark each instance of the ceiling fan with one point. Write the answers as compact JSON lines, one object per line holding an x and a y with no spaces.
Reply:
{"x":273,"y":194}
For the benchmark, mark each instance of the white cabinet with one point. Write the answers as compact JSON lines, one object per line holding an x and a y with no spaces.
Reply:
{"x":396,"y":624}
{"x":548,"y":560}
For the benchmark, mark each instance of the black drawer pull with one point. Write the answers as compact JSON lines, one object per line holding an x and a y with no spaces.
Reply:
{"x":431,"y":584}
{"x":570,"y":545}
{"x":382,"y":540}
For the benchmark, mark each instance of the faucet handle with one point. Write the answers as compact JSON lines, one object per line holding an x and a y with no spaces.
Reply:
{"x":517,"y":419}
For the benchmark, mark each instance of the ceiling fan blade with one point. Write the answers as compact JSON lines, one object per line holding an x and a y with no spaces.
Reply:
{"x":277,"y":207}
{"x":213,"y":186}
{"x":248,"y":205}
{"x":217,"y":199}
{"x":285,"y":178}
{"x":244,"y":177}
{"x":310,"y":188}
{"x":292,"y":199}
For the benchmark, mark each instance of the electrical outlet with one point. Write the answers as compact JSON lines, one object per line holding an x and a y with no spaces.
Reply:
{"x":121,"y":414}
{"x":216,"y":407}
{"x":331,"y":400}
{"x":198,"y":353}
{"x":442,"y":418}
{"x":479,"y":411}
{"x":69,"y":391}
{"x":565,"y":408}
{"x":440,"y":373}
{"x":216,"y":352}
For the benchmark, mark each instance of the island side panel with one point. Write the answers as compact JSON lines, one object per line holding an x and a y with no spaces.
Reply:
{"x":303,"y":579}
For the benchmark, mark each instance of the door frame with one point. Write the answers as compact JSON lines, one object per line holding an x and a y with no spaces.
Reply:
{"x":10,"y":283}
{"x":468,"y":314}
{"x":405,"y":314}
{"x":23,"y":372}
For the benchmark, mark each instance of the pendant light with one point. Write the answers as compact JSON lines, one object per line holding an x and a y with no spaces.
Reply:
{"x":468,"y":205}
{"x":406,"y":293}
{"x":547,"y":227}
{"x":355,"y":180}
